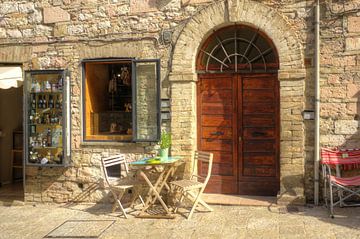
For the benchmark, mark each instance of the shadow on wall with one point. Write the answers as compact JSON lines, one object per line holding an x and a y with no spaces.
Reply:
{"x":292,"y":184}
{"x":63,"y":185}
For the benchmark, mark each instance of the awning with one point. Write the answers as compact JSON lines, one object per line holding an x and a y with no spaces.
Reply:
{"x":10,"y":76}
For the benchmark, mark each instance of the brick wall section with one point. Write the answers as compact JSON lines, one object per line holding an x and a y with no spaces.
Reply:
{"x":124,"y":28}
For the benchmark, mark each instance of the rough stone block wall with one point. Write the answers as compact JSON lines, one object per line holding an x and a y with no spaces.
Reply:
{"x":58,"y":34}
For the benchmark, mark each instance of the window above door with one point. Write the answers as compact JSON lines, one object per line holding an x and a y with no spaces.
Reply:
{"x":238,"y":48}
{"x":121,"y":100}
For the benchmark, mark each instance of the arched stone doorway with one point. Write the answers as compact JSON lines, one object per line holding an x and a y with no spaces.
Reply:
{"x":291,"y":77}
{"x":238,"y":111}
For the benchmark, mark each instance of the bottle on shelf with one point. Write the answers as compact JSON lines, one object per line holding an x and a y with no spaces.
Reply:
{"x":37,"y":87}
{"x":47,"y":119}
{"x":40,"y":102}
{"x":44,"y":106}
{"x":33,"y":129}
{"x":51,"y":102}
{"x":60,"y":84}
{"x":33,"y":102}
{"x":48,"y":138}
{"x":47,"y":86}
{"x":57,"y":103}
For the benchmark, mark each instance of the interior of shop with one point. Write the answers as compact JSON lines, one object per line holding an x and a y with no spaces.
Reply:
{"x":11,"y":142}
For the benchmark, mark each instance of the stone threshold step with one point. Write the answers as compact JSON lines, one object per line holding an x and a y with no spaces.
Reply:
{"x":240,"y":200}
{"x":11,"y":202}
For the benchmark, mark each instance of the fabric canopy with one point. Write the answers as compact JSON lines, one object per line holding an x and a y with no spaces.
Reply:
{"x":10,"y":76}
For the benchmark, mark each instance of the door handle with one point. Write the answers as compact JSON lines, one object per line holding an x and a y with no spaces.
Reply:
{"x":240,"y":138}
{"x":255,"y":134}
{"x":217,"y":133}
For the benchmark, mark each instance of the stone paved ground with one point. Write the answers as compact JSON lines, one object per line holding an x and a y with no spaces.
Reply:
{"x":225,"y":222}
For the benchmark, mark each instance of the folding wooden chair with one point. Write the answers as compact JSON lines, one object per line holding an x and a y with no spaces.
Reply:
{"x":193,"y":188}
{"x":121,"y":184}
{"x":334,"y":163}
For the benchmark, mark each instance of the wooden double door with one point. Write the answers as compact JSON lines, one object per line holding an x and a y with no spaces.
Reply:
{"x":238,"y":121}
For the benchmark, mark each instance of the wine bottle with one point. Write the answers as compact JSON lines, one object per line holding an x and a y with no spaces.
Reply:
{"x":51,"y":102}
{"x":44,"y":103}
{"x":48,"y":138}
{"x":40,"y":102}
{"x":33,"y":102}
{"x":57,"y":103}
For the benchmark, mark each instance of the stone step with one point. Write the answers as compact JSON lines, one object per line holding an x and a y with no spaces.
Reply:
{"x":240,"y":200}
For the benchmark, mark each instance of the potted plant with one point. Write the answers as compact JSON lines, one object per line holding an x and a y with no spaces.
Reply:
{"x":165,"y":143}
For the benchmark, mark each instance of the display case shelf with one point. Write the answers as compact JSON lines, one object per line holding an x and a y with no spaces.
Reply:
{"x":45,"y":92}
{"x":46,"y":109}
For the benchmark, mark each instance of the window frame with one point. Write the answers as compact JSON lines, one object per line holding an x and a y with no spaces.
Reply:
{"x":134,"y":99}
{"x":133,"y":62}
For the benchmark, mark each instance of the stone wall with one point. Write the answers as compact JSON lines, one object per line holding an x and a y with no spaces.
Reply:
{"x":58,"y":34}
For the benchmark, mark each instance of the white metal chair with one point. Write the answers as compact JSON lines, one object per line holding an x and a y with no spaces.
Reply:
{"x":341,"y":188}
{"x":121,"y":184}
{"x":193,"y":188}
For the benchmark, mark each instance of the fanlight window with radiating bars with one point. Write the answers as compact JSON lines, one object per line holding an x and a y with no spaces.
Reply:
{"x":237,"y":48}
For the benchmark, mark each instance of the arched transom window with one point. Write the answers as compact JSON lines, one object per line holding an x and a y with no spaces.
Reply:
{"x":237,"y":48}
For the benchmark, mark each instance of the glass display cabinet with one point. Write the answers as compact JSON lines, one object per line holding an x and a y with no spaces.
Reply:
{"x":47,"y":122}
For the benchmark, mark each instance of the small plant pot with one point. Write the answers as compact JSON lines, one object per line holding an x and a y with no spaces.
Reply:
{"x":164,"y":153}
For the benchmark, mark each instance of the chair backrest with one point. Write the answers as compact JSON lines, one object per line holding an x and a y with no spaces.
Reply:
{"x":340,"y":156}
{"x":204,"y":160}
{"x":113,"y":161}
{"x":340,"y":160}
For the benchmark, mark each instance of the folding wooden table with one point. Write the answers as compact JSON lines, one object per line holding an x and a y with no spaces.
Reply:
{"x":154,"y":194}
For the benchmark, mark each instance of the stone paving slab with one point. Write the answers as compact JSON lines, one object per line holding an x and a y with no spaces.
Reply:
{"x":239,"y":222}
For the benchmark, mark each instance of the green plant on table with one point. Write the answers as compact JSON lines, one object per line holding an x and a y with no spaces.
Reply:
{"x":165,"y":140}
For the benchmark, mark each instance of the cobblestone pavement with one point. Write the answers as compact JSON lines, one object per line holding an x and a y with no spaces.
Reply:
{"x":37,"y":221}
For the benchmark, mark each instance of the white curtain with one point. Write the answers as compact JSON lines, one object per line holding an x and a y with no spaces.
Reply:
{"x":10,"y":76}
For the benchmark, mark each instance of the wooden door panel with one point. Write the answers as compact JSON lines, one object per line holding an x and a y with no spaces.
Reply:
{"x":224,"y":169}
{"x":259,"y":159}
{"x":258,"y":83}
{"x":263,"y":120}
{"x":216,"y":145}
{"x":217,"y":133}
{"x":258,"y":95}
{"x":222,"y":157}
{"x":219,"y":108}
{"x":216,"y":120}
{"x":259,"y":146}
{"x":258,"y":107}
{"x":221,"y":185}
{"x":216,"y":83}
{"x":262,"y":188}
{"x":221,"y":96}
{"x":263,"y":171}
{"x":216,"y":99}
{"x":259,"y":133}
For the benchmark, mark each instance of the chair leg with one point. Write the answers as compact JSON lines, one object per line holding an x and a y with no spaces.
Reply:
{"x":204,"y":204}
{"x":325,"y":193}
{"x":118,"y":203}
{"x":331,"y":201}
{"x":179,"y":203}
{"x":122,"y":209}
{"x":142,"y":201}
{"x":195,"y":204}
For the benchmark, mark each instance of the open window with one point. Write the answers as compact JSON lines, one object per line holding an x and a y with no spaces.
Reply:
{"x":121,"y":100}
